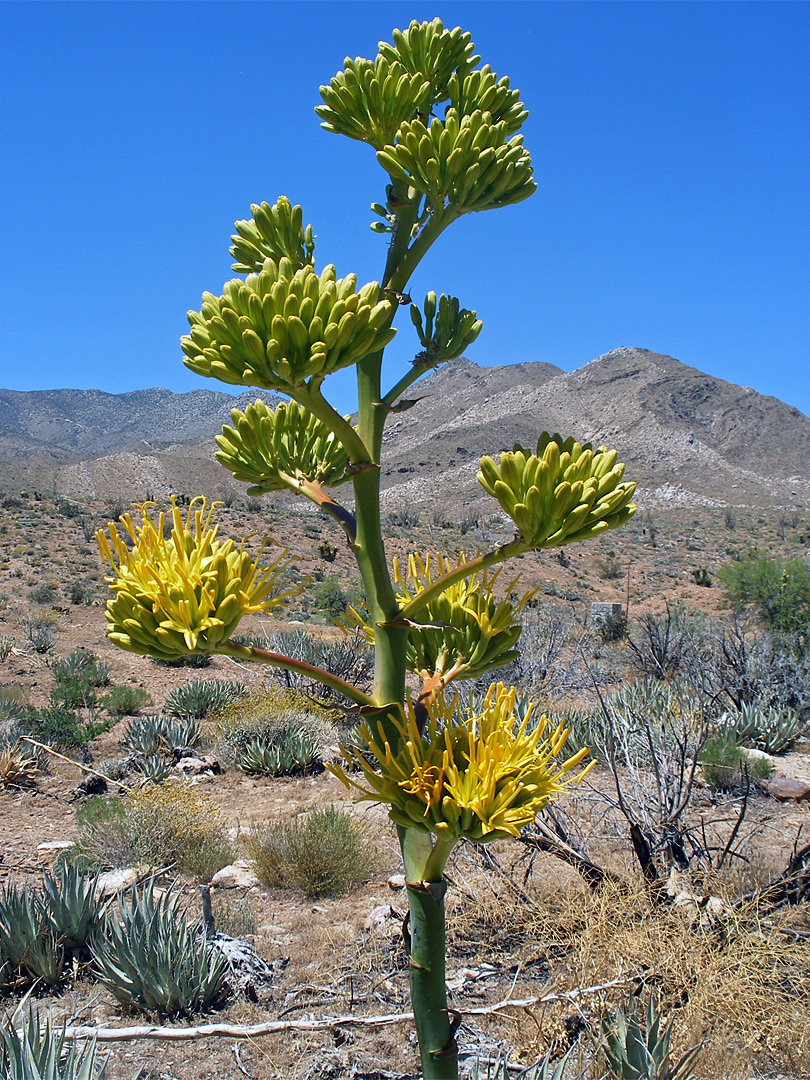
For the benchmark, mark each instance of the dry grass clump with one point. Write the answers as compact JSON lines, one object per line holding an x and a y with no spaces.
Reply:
{"x":739,"y":981}
{"x":323,"y":853}
{"x":156,"y":826}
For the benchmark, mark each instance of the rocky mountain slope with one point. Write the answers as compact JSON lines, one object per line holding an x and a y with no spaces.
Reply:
{"x":688,"y":437}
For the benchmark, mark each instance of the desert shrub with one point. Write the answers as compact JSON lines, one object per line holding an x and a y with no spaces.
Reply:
{"x":349,"y":658}
{"x":668,"y":644}
{"x":201,"y":698}
{"x":327,"y":551}
{"x":280,"y":719}
{"x":323,"y":853}
{"x":402,"y":518}
{"x":153,"y":958}
{"x":610,"y":567}
{"x":43,"y":1053}
{"x":726,"y":766}
{"x":233,"y":915}
{"x":155,"y":826}
{"x":62,"y":727}
{"x":126,"y":700}
{"x":80,"y":592}
{"x":330,"y":597}
{"x":778,"y":592}
{"x":7,"y":643}
{"x":45,"y":593}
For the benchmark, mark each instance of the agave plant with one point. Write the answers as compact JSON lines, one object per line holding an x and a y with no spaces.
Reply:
{"x":179,"y":731}
{"x":20,"y":764}
{"x":771,"y":730}
{"x":152,"y":768}
{"x":287,"y":751}
{"x":143,"y":735}
{"x":28,"y":938}
{"x":75,"y":909}
{"x":639,"y":1049}
{"x":199,"y":698}
{"x":37,"y":1053}
{"x":151,"y":957}
{"x":502,"y":1069}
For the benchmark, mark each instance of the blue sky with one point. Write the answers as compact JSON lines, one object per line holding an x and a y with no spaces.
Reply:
{"x":670,"y":144}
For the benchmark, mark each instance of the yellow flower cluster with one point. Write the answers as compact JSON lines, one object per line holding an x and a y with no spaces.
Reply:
{"x":185,"y":593}
{"x":477,"y":773}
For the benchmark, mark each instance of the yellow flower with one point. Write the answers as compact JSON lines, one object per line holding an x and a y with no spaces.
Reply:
{"x":465,"y":631}
{"x":185,"y":593}
{"x":479,"y":773}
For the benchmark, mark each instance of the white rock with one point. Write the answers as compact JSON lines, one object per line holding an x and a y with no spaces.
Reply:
{"x":379,"y":918}
{"x":49,"y":851}
{"x":396,"y":881}
{"x":237,"y":875}
{"x":115,"y":880}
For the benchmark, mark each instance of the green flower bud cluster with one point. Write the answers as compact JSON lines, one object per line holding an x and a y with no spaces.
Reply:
{"x":564,"y":492}
{"x":483,"y":91}
{"x":369,"y":99}
{"x":274,"y":232}
{"x":468,"y":630}
{"x":465,"y":161}
{"x":465,"y":632}
{"x":455,"y":328}
{"x":286,"y":325}
{"x":429,"y":50}
{"x":268,"y":447}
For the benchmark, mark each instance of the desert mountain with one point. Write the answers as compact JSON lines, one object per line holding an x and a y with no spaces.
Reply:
{"x":689,"y":438}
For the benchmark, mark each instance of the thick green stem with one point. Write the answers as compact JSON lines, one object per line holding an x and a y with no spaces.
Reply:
{"x":437,"y":1044}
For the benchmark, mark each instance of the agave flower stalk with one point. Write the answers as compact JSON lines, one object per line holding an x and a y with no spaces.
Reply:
{"x":447,"y":136}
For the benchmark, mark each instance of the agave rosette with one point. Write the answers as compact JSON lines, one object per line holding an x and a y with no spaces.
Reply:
{"x":566,"y":491}
{"x":475,"y":773}
{"x":185,"y":593}
{"x":286,"y":325}
{"x":273,"y":449}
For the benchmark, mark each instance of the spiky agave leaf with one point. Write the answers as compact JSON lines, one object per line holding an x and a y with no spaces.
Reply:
{"x":72,"y":901}
{"x":28,"y":937}
{"x":185,"y":594}
{"x":478,"y":774}
{"x":37,"y":1053}
{"x":564,"y":492}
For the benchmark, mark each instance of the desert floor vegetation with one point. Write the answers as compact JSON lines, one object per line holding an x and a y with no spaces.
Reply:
{"x":656,"y":881}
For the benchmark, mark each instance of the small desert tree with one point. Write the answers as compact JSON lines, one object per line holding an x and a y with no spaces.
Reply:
{"x":446,"y":770}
